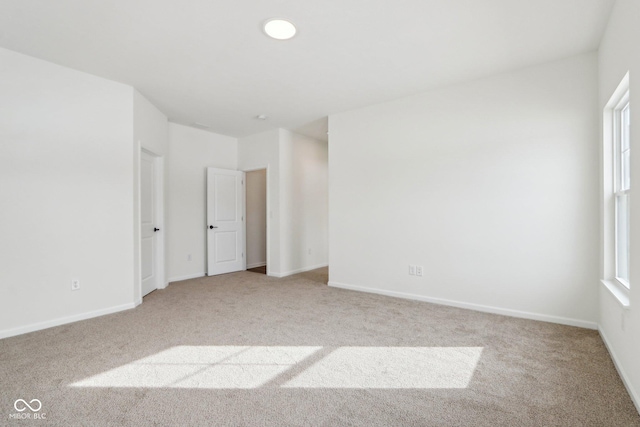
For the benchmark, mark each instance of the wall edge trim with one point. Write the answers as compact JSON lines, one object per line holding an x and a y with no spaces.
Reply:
{"x":470,"y":306}
{"x":256,"y":264}
{"x":635,"y":398}
{"x":185,"y":277}
{"x":299,"y":270}
{"x":64,"y":320}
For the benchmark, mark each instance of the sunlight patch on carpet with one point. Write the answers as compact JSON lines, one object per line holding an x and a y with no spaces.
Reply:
{"x":250,"y":367}
{"x":391,"y":367}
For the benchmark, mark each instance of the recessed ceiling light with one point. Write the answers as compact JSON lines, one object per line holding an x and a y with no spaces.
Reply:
{"x":262,"y":117}
{"x":279,"y":29}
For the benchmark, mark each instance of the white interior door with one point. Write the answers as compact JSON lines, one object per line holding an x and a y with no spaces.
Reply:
{"x":225,"y":221}
{"x":148,"y":223}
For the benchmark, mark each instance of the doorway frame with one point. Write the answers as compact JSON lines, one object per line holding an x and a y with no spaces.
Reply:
{"x":158,"y":168}
{"x":268,"y":207}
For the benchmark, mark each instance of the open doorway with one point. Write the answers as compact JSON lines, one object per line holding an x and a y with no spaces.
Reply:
{"x":256,"y":225}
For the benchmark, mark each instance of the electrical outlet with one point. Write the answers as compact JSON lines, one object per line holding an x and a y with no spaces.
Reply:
{"x":412,"y":270}
{"x":189,"y":257}
{"x":418,"y":270}
{"x":75,"y":284}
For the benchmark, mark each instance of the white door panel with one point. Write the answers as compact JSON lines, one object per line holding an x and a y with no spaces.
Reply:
{"x":225,"y":216}
{"x":148,"y":221}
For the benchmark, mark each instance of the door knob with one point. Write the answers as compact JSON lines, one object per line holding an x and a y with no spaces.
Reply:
{"x":211,"y":227}
{"x":155,"y":229}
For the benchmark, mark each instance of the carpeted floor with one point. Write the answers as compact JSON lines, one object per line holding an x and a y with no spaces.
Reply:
{"x":244,"y":349}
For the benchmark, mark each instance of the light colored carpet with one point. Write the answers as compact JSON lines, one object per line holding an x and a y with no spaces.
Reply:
{"x":245,"y":349}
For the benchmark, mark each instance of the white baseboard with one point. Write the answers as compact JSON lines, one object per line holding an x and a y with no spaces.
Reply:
{"x":300,"y":270}
{"x":635,"y":398}
{"x":470,"y":306}
{"x":187,"y":277}
{"x":64,"y":320}
{"x":256,"y":264}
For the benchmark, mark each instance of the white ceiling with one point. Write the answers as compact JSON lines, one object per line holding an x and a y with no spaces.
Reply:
{"x":207,"y":61}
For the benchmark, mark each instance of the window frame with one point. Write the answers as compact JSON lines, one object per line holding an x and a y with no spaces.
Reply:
{"x":621,"y":186}
{"x":610,"y":167}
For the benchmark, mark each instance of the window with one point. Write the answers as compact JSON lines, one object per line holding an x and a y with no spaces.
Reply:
{"x":622,"y":187}
{"x":616,"y":196}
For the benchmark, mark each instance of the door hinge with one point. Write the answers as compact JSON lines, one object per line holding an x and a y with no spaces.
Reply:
{"x":242,"y":254}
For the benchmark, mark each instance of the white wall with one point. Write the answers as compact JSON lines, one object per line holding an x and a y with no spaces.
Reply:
{"x":296,"y":197}
{"x":303,"y":203}
{"x":618,"y":54}
{"x":489,"y":185}
{"x":256,"y":208}
{"x":67,"y":197}
{"x":151,"y":132}
{"x":191,"y":151}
